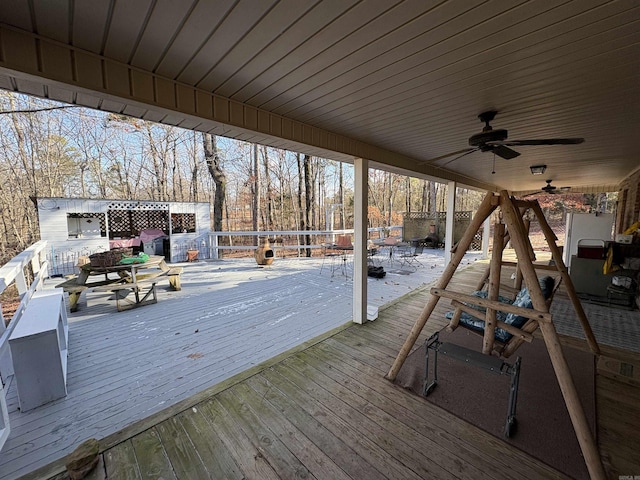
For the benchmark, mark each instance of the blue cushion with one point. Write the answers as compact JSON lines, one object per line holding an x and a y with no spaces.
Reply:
{"x":523,"y":299}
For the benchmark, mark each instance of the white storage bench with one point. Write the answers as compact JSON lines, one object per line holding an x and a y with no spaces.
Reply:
{"x":39,"y":350}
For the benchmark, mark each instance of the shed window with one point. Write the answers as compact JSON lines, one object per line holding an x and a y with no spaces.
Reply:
{"x":86,"y":225}
{"x":183,"y":222}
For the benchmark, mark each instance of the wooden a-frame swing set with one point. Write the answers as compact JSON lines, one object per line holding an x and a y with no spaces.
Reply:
{"x":512,"y":212}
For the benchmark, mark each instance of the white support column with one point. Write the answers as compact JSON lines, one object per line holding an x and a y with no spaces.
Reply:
{"x":361,"y":185}
{"x":451,"y":210}
{"x":485,"y":237}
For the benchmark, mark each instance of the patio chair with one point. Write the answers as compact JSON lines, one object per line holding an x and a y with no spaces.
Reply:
{"x":344,"y":242}
{"x":410,"y":257}
{"x":330,"y":255}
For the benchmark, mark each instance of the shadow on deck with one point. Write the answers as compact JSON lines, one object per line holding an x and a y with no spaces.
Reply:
{"x":324,"y":410}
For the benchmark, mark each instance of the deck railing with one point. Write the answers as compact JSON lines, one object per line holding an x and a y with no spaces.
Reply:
{"x":27,"y":271}
{"x":219,"y":242}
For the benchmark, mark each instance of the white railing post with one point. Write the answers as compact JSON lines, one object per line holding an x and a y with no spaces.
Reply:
{"x":4,"y":418}
{"x":213,"y":241}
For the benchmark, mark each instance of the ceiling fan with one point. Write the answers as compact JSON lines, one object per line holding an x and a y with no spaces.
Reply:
{"x":490,"y":140}
{"x":549,"y":189}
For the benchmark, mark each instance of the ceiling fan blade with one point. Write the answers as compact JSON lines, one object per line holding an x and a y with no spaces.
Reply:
{"x":544,"y":141}
{"x":468,"y":151}
{"x":531,"y":194}
{"x":451,"y":154}
{"x":504,"y":152}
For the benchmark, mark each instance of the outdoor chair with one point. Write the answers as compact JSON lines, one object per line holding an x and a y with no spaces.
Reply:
{"x":372,"y":254}
{"x":330,"y":255}
{"x":410,"y":257}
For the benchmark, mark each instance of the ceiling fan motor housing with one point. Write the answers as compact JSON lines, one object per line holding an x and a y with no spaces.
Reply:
{"x":481,"y":138}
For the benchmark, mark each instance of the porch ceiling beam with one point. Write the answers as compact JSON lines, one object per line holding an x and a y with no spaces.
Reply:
{"x":39,"y":66}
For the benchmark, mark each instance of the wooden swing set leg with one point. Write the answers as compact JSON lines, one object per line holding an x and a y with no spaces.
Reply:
{"x":494,"y":289}
{"x":488,"y":205}
{"x":572,"y":401}
{"x":556,"y":254}
{"x":560,"y":366}
{"x":506,"y":238}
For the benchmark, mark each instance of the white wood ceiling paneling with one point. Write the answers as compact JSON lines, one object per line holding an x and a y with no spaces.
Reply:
{"x":408,"y":76}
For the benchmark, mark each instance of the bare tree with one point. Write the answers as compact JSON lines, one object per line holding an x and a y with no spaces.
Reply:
{"x":219,"y":178}
{"x":268,"y":190}
{"x":256,"y":192}
{"x":308,"y":197}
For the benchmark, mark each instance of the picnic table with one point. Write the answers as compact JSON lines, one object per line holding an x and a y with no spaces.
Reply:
{"x":128,"y":280}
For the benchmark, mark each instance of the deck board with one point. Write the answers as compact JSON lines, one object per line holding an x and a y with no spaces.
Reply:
{"x":322,"y":410}
{"x":207,"y":442}
{"x":120,"y":461}
{"x":229,"y":317}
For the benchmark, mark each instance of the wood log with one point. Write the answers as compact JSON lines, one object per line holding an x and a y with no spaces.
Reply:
{"x":560,"y":366}
{"x":455,"y":320}
{"x":537,"y":266}
{"x":494,"y":289}
{"x":541,"y":316}
{"x":516,"y":332}
{"x":571,"y":291}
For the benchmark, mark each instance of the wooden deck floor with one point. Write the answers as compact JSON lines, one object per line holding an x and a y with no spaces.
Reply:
{"x":229,"y":317}
{"x":325,"y":411}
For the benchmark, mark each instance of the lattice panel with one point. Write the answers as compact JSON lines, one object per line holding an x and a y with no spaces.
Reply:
{"x":129,"y":223}
{"x":425,"y":215}
{"x":136,"y":205}
{"x":183,"y":221}
{"x":416,"y":224}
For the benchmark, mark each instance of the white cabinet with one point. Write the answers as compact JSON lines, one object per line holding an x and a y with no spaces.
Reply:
{"x":39,"y":345}
{"x":585,"y":226}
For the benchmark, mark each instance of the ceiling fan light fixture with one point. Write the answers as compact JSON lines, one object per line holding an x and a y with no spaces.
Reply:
{"x":537,"y":169}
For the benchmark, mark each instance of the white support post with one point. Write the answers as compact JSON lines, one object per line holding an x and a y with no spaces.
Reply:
{"x":361,"y":187}
{"x":451,"y":210}
{"x":21,"y":281}
{"x":486,"y":230}
{"x":213,"y":245}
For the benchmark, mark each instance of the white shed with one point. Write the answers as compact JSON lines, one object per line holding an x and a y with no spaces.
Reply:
{"x":80,"y":227}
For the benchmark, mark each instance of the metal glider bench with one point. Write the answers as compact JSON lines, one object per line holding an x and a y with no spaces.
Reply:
{"x":472,"y":357}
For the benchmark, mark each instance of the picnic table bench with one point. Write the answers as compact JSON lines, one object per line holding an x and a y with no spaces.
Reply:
{"x":129,"y":280}
{"x":143,"y":289}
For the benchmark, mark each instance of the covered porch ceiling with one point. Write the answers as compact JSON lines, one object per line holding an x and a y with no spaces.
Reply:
{"x":400,"y":83}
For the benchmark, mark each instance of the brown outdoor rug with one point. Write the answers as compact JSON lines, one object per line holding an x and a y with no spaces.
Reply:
{"x":481,"y":397}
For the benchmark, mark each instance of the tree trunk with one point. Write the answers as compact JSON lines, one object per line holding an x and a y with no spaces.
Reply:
{"x":408,"y":194}
{"x":219,"y":178}
{"x":308,"y":192}
{"x":256,"y":193}
{"x":194,"y":171}
{"x":432,"y":198}
{"x":424,"y":201}
{"x":268,"y":221}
